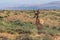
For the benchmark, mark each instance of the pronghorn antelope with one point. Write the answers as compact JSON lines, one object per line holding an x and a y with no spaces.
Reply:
{"x":38,"y":23}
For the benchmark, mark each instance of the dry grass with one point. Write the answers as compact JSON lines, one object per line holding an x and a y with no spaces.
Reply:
{"x":9,"y":36}
{"x":49,"y":17}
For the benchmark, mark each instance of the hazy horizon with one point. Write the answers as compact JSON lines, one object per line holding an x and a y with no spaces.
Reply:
{"x":14,"y":3}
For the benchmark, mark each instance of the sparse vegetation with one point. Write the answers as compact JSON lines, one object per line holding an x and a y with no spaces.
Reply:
{"x":21,"y":24}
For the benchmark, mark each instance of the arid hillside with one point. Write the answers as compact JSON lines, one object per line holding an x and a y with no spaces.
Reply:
{"x":20,"y":25}
{"x":49,"y":17}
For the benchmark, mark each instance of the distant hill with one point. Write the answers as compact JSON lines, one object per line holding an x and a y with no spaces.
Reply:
{"x":52,"y":5}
